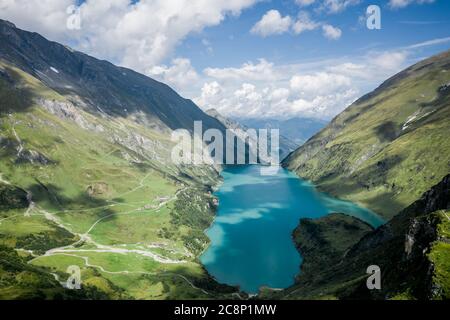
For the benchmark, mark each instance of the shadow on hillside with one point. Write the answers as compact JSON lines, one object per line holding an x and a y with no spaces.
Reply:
{"x":52,"y":196}
{"x":368,"y":180}
{"x":9,"y":152}
{"x":177,"y":287}
{"x":378,"y":172}
{"x":7,"y":148}
{"x":142,"y":166}
{"x":14,"y":96}
{"x":387,"y":131}
{"x":385,"y":203}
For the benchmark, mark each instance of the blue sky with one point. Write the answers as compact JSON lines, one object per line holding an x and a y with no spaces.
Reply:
{"x":249,"y":58}
{"x":233,"y":43}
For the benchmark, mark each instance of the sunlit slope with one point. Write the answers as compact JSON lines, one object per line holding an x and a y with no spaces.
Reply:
{"x":388,"y":147}
{"x":100,"y":192}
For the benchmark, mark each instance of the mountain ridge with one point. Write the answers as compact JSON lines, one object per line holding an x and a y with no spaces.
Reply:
{"x":380,"y":150}
{"x":90,"y":182}
{"x":296,"y":129}
{"x":286,"y":146}
{"x":98,"y":82}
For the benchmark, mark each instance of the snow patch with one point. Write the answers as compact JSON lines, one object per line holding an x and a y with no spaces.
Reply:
{"x":409,"y":120}
{"x":415,"y":117}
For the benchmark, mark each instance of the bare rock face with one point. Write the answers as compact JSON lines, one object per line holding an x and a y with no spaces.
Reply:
{"x":19,"y":154}
{"x":97,"y":189}
{"x":444,"y":87}
{"x":66,"y":110}
{"x":33,"y":157}
{"x":421,"y":233}
{"x":401,"y":246}
{"x":143,"y":146}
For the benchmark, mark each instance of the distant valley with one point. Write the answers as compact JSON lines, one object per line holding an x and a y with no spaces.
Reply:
{"x":297,"y":130}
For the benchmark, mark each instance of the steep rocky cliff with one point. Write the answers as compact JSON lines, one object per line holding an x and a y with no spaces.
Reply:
{"x":412,"y":251}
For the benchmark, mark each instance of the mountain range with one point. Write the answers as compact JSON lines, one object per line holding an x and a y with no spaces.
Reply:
{"x":86,"y":180}
{"x":389,"y":151}
{"x":298,"y":130}
{"x":390,"y":146}
{"x":286,"y":145}
{"x":86,"y":176}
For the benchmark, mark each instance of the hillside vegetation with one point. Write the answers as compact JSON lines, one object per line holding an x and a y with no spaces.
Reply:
{"x":389,"y":151}
{"x":86,"y":180}
{"x":390,"y":146}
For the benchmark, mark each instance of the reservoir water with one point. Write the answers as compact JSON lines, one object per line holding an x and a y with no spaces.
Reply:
{"x":251,"y":237}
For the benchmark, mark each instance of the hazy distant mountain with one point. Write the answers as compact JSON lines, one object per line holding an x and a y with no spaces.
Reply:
{"x":285,"y":144}
{"x":297,"y":130}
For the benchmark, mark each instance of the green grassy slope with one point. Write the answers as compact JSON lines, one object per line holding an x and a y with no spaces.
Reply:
{"x":99,"y":192}
{"x":390,"y":146}
{"x":20,"y":280}
{"x":440,"y":257}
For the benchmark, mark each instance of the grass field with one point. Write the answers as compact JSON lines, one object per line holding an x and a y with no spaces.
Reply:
{"x":440,"y":257}
{"x":79,"y":188}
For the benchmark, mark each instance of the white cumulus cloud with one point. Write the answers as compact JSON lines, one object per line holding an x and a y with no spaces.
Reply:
{"x":139,"y":34}
{"x":390,"y":60}
{"x":180,"y":74}
{"x":272,"y":23}
{"x":319,"y":83}
{"x":404,"y":3}
{"x":331,"y":32}
{"x":248,"y":71}
{"x":321,"y":90}
{"x":304,"y":23}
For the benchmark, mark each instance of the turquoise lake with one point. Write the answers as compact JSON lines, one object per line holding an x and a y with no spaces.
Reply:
{"x":251,"y":237}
